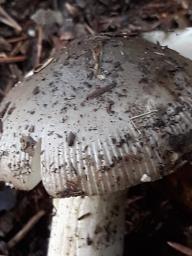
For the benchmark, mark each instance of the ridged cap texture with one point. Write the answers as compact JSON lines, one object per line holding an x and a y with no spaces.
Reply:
{"x":104,"y":115}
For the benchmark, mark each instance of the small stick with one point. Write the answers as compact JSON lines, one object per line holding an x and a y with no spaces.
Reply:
{"x":17,"y":39}
{"x":11,"y":59}
{"x":39,"y":45}
{"x":6,"y":19}
{"x":135,"y":127}
{"x":43,"y":65}
{"x":16,"y":49}
{"x":181,"y":248}
{"x":89,"y":29}
{"x":144,"y":114}
{"x":28,"y":226}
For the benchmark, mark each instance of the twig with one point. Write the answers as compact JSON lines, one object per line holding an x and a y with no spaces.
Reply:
{"x":16,"y":39}
{"x":144,"y":114}
{"x":99,"y":91}
{"x":16,"y":49}
{"x":28,"y":226}
{"x":181,"y":248}
{"x":140,"y":116}
{"x":6,"y":19}
{"x":72,"y":9}
{"x":89,"y":29}
{"x":43,"y":65}
{"x":39,"y":46}
{"x":135,"y":127}
{"x":11,"y":59}
{"x":97,"y":55}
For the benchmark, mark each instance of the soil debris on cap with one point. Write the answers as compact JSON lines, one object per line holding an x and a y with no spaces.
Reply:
{"x":1,"y":126}
{"x":32,"y":128}
{"x":84,"y":216}
{"x":36,"y":90}
{"x":109,"y":107}
{"x":71,"y":139}
{"x":99,"y":91}
{"x":27,"y":144}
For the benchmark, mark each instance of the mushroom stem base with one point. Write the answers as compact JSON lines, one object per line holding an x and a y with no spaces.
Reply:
{"x":88,"y":226}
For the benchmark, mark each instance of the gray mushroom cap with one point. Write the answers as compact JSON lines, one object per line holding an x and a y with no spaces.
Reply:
{"x":106,"y":114}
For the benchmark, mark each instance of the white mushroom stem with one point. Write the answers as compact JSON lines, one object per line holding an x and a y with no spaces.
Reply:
{"x":88,"y":226}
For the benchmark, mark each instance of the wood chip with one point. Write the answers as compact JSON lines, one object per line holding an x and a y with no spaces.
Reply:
{"x":99,"y":91}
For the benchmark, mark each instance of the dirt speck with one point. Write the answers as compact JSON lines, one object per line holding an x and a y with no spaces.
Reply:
{"x":32,"y":128}
{"x":27,"y":144}
{"x":36,"y":90}
{"x":89,"y":241}
{"x":1,"y":126}
{"x":71,"y":139}
{"x":10,"y":111}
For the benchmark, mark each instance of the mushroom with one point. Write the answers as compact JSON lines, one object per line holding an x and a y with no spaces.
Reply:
{"x":104,"y":115}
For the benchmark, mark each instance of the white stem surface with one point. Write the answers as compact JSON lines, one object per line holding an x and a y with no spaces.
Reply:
{"x":88,"y":226}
